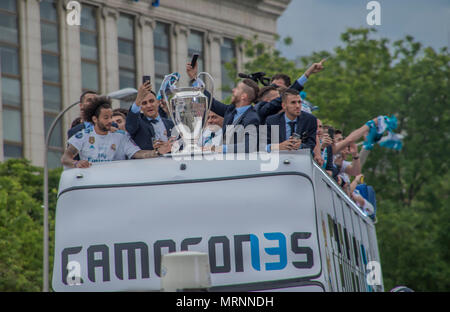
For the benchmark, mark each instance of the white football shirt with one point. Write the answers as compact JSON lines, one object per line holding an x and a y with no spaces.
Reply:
{"x":94,"y":147}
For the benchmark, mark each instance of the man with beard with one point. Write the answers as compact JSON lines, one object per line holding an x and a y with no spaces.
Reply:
{"x":98,"y":144}
{"x":293,"y":121}
{"x":240,"y":112}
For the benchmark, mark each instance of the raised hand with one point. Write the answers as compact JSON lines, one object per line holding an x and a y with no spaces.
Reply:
{"x":143,"y":90}
{"x":192,"y":71}
{"x":315,"y":68}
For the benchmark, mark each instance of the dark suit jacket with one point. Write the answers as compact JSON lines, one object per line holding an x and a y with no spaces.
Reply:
{"x":250,"y":117}
{"x":141,"y":129}
{"x":266,"y":109}
{"x":306,"y":124}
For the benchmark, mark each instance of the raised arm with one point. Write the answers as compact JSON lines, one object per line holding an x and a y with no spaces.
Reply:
{"x":132,"y":124}
{"x":216,"y":106}
{"x":352,"y":137}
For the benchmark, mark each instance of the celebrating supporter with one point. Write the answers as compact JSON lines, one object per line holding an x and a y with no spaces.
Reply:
{"x":270,"y":108}
{"x":297,"y":129}
{"x":359,"y":199}
{"x":281,"y":80}
{"x":98,"y":144}
{"x":84,"y":101}
{"x":213,"y":132}
{"x":119,"y":119}
{"x":240,"y":112}
{"x":323,"y":152}
{"x":266,"y":94}
{"x":144,"y":124}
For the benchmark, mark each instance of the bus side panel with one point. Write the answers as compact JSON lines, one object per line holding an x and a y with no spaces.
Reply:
{"x":375,"y":255}
{"x":346,"y":254}
{"x":356,"y":241}
{"x":350,"y":233}
{"x":339,"y":222}
{"x":326,"y":215}
{"x":365,"y":249}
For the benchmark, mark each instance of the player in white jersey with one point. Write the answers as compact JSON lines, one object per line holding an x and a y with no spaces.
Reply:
{"x":98,"y":144}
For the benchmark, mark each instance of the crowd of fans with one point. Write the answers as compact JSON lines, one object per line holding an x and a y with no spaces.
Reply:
{"x":145,"y":129}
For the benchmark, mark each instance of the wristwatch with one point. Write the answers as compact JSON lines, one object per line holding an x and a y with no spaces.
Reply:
{"x":158,"y":153}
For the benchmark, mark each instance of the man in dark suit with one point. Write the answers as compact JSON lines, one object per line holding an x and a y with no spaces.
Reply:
{"x":267,"y":109}
{"x":240,"y":113}
{"x":144,"y":124}
{"x":292,"y":121}
{"x":84,"y":100}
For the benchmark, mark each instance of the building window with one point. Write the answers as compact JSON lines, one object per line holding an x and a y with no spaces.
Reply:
{"x":195,"y":46}
{"x":10,"y":80}
{"x":127,"y":60}
{"x":162,"y":52}
{"x":227,"y":55}
{"x":51,"y":78}
{"x":89,"y":49}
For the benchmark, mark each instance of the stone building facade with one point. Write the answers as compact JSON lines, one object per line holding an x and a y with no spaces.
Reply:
{"x":46,"y":63}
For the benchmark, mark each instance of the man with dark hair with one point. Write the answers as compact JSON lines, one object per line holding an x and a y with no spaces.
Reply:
{"x":240,"y":112}
{"x":121,"y":110}
{"x":120,"y":119}
{"x":144,"y":124}
{"x":98,"y":144}
{"x":85,"y":98}
{"x":292,"y":121}
{"x":270,"y":108}
{"x":281,"y":80}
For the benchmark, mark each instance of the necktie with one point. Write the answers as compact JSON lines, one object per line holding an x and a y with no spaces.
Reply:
{"x":153,"y":121}
{"x":292,"y":125}
{"x":209,"y":139}
{"x":233,"y":113}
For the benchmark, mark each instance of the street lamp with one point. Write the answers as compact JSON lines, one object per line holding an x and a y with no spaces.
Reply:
{"x":127,"y":94}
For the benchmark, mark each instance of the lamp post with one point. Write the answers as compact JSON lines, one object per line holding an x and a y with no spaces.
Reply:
{"x":127,"y":94}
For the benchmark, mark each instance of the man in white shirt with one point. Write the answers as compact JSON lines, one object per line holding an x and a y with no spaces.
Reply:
{"x":98,"y":144}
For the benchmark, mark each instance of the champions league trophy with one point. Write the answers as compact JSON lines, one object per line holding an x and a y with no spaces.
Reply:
{"x":188,"y":108}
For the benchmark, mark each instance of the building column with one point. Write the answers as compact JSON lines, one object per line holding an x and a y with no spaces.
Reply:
{"x":145,"y":57}
{"x":70,"y":68}
{"x":180,"y":53}
{"x":31,"y":86}
{"x":214,"y":61}
{"x":109,"y":51}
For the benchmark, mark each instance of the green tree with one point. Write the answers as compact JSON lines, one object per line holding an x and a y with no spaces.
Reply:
{"x":21,"y":224}
{"x":367,"y":77}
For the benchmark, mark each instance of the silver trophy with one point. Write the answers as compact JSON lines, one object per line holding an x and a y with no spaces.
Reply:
{"x":188,"y":109}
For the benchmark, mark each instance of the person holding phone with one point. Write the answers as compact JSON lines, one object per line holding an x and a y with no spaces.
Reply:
{"x":297,"y":129}
{"x":146,"y":127}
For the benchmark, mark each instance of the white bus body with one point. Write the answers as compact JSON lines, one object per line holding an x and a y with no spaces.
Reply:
{"x":290,"y":229}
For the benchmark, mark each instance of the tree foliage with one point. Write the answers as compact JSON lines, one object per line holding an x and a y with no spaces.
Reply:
{"x":366,"y":77}
{"x":21,"y":224}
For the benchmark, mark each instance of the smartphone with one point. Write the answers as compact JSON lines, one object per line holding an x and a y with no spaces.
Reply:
{"x":296,"y":136}
{"x":146,"y":78}
{"x":194,"y":60}
{"x":331,"y":133}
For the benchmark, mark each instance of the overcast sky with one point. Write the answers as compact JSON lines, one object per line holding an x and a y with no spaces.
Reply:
{"x":316,"y":25}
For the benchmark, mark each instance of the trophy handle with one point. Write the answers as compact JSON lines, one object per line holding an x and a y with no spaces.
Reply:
{"x":163,"y":93}
{"x":211,"y":97}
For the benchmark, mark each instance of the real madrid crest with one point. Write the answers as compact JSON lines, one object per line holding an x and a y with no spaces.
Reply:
{"x":91,"y":140}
